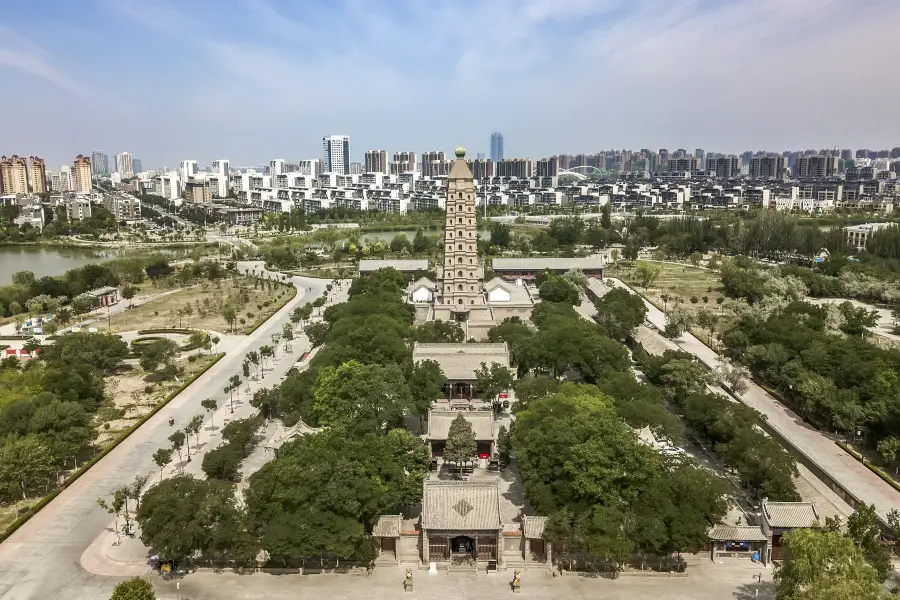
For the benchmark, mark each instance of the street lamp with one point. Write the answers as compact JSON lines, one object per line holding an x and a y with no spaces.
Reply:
{"x":758,"y":579}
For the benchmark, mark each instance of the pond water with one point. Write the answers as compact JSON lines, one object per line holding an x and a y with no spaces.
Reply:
{"x":54,"y":261}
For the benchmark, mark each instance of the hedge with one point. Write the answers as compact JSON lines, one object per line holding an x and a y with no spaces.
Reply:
{"x":167,"y":330}
{"x":289,"y":298}
{"x":887,"y":478}
{"x":23,"y":518}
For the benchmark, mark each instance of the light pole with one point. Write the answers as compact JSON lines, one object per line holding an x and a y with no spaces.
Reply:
{"x":758,"y":579}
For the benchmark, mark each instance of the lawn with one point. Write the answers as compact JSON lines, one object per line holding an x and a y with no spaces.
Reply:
{"x":682,"y":283}
{"x":202,"y":306}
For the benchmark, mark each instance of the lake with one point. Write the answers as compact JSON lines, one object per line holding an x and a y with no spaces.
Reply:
{"x":55,"y":261}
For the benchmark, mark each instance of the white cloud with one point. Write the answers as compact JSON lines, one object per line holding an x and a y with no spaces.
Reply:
{"x":17,"y":52}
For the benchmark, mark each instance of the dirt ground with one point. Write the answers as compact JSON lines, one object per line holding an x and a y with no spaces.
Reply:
{"x":129,"y":401}
{"x":201,"y":307}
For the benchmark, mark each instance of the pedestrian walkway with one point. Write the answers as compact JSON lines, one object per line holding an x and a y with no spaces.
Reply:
{"x":851,"y":475}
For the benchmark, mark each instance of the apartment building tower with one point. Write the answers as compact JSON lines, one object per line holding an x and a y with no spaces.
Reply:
{"x":81,"y":174}
{"x":99,"y":163}
{"x":811,"y":167}
{"x":404,"y":162}
{"x":124,"y":164}
{"x":376,"y":162}
{"x":336,"y":150}
{"x":434,"y":164}
{"x":768,"y":167}
{"x":724,"y":167}
{"x":548,"y":167}
{"x":14,"y":174}
{"x":37,"y":175}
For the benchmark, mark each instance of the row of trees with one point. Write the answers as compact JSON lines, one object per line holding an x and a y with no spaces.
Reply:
{"x":324,"y":492}
{"x":839,"y":382}
{"x":47,"y":408}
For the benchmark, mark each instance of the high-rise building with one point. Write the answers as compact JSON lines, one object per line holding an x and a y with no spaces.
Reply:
{"x":188,"y":170}
{"x":14,"y":174}
{"x":723,"y":167}
{"x":434,"y":164}
{"x":37,"y":175}
{"x":700,"y":154}
{"x":685,"y":163}
{"x":220,"y":166}
{"x":404,"y":162}
{"x":138,"y":165}
{"x":276,"y":167}
{"x":482,"y":168}
{"x":81,"y":173}
{"x":816,"y":166}
{"x":376,"y":161}
{"x":496,"y":147}
{"x":356,"y":168}
{"x":766,"y":167}
{"x":310,"y":167}
{"x":548,"y":167}
{"x":337,"y":154}
{"x":222,"y":171}
{"x":124,"y":164}
{"x":847,"y":154}
{"x":523,"y":168}
{"x":100,"y":163}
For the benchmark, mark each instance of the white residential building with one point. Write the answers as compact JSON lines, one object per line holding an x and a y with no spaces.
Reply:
{"x":312,"y":167}
{"x":124,"y":164}
{"x":336,"y":149}
{"x":276,"y":167}
{"x":188,"y":169}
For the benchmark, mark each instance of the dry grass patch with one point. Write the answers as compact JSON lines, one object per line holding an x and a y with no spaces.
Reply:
{"x":202,"y":306}
{"x":130,"y":397}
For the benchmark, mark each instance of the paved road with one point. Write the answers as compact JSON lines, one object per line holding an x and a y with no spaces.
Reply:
{"x":41,"y":559}
{"x":845,"y":469}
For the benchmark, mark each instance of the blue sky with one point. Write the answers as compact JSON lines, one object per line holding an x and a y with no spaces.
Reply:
{"x":251,"y":80}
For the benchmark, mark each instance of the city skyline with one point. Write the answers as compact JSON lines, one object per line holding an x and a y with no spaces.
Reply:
{"x":342,"y":67}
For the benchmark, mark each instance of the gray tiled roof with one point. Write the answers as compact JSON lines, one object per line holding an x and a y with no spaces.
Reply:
{"x":557,"y":264}
{"x":387,"y":526}
{"x":422,"y":282}
{"x":733,"y":533}
{"x":482,"y":423}
{"x":369,"y":265}
{"x":460,"y":361}
{"x":534,"y":527}
{"x":461,"y":506}
{"x":497,"y":282}
{"x":790,"y":514}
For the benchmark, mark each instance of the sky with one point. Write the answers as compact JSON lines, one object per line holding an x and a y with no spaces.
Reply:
{"x":254,"y":80}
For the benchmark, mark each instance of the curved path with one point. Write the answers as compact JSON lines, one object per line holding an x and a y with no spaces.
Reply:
{"x":42,"y":559}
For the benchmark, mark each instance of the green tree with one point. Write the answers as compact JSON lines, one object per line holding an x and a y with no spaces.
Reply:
{"x":25,"y":464}
{"x":647,"y":274}
{"x":161,"y":458}
{"x":438,"y":331}
{"x":426,"y":382}
{"x":182,"y":516}
{"x":559,"y":289}
{"x":857,"y":320}
{"x":824,"y":564}
{"x":501,"y":234}
{"x":864,"y":528}
{"x":159,"y":352}
{"x":368,"y":398}
{"x":493,"y":379}
{"x":128,"y":293}
{"x":619,"y":312}
{"x":888,"y":448}
{"x":136,"y":588}
{"x":678,"y":321}
{"x":461,"y":444}
{"x":102,"y":351}
{"x":209,"y":405}
{"x":316,"y":333}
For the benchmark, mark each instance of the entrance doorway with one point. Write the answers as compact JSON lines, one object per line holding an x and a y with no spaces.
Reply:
{"x":463,"y":544}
